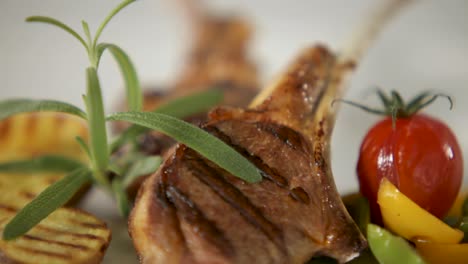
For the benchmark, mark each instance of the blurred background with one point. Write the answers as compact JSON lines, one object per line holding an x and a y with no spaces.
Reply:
{"x":425,"y":47}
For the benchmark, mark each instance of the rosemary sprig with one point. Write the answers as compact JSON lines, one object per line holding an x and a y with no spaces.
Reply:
{"x":98,"y":149}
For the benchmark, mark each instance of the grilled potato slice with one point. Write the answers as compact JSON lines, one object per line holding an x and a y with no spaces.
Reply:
{"x":67,"y":235}
{"x":33,"y":134}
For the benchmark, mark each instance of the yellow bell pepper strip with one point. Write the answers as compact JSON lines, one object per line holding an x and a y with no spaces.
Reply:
{"x":390,"y":249}
{"x":436,"y":253}
{"x":405,"y":218}
{"x":457,"y":207}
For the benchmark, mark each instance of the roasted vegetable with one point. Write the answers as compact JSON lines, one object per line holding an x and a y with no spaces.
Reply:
{"x":66,"y":236}
{"x":390,"y":249}
{"x":407,"y":219}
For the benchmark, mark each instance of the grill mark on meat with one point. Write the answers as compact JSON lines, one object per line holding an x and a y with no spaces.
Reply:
{"x":287,"y":135}
{"x":161,"y":195}
{"x":318,"y":147}
{"x":60,"y":243}
{"x":211,"y":176}
{"x":266,"y":171}
{"x":300,"y":195}
{"x":43,"y":252}
{"x":165,"y":203}
{"x":190,"y":213}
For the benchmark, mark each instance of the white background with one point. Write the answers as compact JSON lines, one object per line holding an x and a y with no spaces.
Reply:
{"x":426,"y":47}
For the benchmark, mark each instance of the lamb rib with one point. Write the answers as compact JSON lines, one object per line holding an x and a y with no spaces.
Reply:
{"x":192,"y":211}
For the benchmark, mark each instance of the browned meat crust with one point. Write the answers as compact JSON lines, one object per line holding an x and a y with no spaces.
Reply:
{"x":191,"y":211}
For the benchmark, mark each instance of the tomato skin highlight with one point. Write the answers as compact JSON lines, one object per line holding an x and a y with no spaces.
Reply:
{"x":420,"y":156}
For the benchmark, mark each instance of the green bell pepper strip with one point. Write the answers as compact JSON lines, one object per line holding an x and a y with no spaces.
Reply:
{"x":390,"y":249}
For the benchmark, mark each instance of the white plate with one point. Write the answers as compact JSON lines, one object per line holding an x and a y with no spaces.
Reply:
{"x":426,"y":47}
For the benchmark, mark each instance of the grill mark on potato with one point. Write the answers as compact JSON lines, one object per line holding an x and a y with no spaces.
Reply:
{"x":5,"y":127}
{"x":88,"y":225}
{"x":52,"y":180}
{"x":190,"y":213}
{"x":68,"y":233}
{"x":43,"y":252}
{"x":266,"y":171}
{"x":210,"y":176}
{"x":60,"y":243}
{"x":28,"y":195}
{"x":31,"y":125}
{"x":60,"y":121}
{"x":4,"y":259}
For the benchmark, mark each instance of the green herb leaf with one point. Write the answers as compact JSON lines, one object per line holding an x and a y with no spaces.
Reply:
{"x":17,"y":106}
{"x":141,"y":167}
{"x":49,"y":163}
{"x":134,"y":95}
{"x":109,"y":17}
{"x":192,"y":104}
{"x":389,"y":249}
{"x":199,"y":140}
{"x":121,"y":196}
{"x":97,"y":126}
{"x":54,"y":22}
{"x":181,"y":107}
{"x":46,"y":202}
{"x":83,"y":146}
{"x":85,"y":26}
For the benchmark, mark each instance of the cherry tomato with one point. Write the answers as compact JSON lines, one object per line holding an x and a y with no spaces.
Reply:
{"x":420,"y":155}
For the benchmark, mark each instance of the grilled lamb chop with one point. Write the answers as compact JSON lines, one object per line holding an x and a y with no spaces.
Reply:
{"x":202,"y":214}
{"x":192,"y":211}
{"x":218,"y":59}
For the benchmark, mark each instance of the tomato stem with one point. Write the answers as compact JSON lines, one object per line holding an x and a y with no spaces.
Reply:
{"x":395,"y":106}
